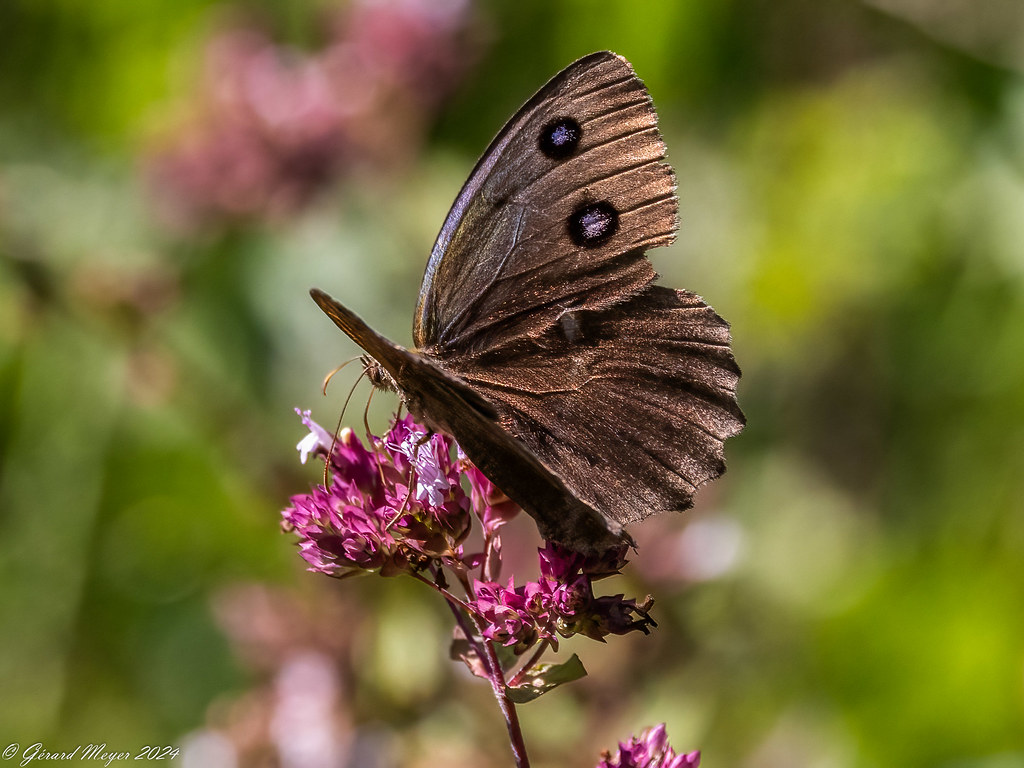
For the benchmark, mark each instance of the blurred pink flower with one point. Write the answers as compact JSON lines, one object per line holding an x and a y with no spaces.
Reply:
{"x":300,"y":656}
{"x":650,"y":750}
{"x":275,"y":125}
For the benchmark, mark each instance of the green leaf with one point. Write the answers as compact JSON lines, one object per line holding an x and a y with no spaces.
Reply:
{"x":462,"y":650}
{"x":544,"y":677}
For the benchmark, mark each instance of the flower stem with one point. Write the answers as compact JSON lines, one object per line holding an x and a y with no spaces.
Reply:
{"x":507,"y":706}
{"x":518,"y":676}
{"x":489,"y":658}
{"x":452,"y":599}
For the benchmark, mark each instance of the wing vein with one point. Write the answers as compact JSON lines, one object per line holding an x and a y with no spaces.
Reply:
{"x":642,"y":101}
{"x":496,"y":275}
{"x":524,"y":192}
{"x":604,"y":86}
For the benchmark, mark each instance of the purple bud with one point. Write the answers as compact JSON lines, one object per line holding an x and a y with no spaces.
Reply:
{"x":650,"y":750}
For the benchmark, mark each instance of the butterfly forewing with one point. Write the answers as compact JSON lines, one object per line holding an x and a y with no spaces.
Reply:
{"x":555,"y":216}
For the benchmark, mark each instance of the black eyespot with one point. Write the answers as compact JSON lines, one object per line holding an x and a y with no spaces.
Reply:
{"x":560,"y":138}
{"x":593,"y":223}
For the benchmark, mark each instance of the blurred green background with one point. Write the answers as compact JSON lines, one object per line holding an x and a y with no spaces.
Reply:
{"x":174,"y":176}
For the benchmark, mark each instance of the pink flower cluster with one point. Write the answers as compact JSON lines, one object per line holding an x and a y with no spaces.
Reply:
{"x":275,"y":125}
{"x":388,"y":509}
{"x":561,"y":602}
{"x":399,"y":506}
{"x":650,"y":750}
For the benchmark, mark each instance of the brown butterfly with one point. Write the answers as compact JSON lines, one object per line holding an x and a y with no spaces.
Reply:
{"x":590,"y":396}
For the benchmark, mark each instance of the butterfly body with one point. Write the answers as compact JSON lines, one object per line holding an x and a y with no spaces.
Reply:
{"x":589,"y":395}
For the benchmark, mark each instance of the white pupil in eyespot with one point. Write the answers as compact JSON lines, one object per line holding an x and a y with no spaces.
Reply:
{"x":595,"y":223}
{"x":561,"y":135}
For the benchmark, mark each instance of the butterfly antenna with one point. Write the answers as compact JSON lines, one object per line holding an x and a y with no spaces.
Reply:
{"x":370,"y":438}
{"x":337,"y":428}
{"x":380,"y":467}
{"x":329,"y":376}
{"x":412,"y":469}
{"x":408,"y":492}
{"x":405,"y":502}
{"x":366,"y":412}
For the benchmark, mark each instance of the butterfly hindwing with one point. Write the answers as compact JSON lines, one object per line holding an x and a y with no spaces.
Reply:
{"x":629,"y":406}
